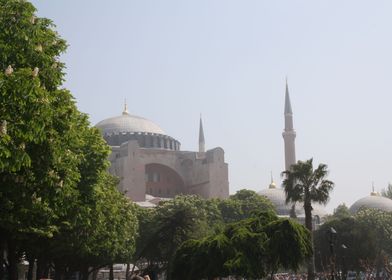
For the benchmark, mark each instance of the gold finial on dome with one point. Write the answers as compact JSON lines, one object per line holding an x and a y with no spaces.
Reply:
{"x":373,"y":193}
{"x":272,"y":185}
{"x":125,"y":112}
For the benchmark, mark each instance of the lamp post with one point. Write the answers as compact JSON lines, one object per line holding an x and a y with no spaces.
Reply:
{"x":332,"y":238}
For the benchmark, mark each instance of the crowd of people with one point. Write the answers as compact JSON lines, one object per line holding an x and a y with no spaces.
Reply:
{"x":138,"y":277}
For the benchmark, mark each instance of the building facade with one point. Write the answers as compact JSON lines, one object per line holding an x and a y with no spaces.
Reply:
{"x":149,"y":162}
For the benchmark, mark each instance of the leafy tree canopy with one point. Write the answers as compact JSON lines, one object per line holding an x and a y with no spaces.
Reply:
{"x":165,"y":228}
{"x":242,"y":204}
{"x":250,"y":248}
{"x":56,"y":197}
{"x":387,"y":192}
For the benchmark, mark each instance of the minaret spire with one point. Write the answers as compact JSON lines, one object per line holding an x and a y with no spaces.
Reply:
{"x":202,"y":144}
{"x":288,"y":132}
{"x":287,"y":103}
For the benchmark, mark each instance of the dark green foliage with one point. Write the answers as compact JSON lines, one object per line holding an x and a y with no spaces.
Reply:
{"x":250,"y":248}
{"x":367,"y":236}
{"x":289,"y":244}
{"x":165,"y":228}
{"x":353,"y":235}
{"x":207,"y":257}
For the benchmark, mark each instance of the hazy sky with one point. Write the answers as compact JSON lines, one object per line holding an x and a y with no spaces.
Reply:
{"x":173,"y":60}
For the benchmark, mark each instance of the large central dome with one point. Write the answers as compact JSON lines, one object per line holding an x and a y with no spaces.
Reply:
{"x":127,"y":127}
{"x":128,"y":123}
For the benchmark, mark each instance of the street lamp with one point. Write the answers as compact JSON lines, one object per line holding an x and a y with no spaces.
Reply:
{"x":332,"y":239}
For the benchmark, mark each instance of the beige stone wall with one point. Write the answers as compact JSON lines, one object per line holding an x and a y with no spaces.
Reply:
{"x":203,"y":174}
{"x":218,"y":174}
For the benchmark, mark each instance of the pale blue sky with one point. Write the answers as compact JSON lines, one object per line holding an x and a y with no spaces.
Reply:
{"x":228,"y":60}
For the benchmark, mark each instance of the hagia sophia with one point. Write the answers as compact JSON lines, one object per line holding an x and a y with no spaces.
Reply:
{"x":151,"y":166}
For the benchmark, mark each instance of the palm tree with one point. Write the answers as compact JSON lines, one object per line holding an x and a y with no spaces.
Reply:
{"x":303,"y":184}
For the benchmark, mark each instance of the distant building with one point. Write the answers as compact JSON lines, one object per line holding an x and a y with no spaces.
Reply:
{"x":149,"y":162}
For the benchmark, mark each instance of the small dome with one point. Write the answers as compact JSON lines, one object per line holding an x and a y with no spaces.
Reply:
{"x":373,"y":201}
{"x":128,"y":123}
{"x":278,"y":198}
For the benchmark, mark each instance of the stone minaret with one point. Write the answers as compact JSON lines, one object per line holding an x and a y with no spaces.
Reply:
{"x":289,"y":132}
{"x":202,"y":144}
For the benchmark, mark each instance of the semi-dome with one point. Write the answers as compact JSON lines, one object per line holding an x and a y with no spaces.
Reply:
{"x":128,"y":123}
{"x":373,"y":201}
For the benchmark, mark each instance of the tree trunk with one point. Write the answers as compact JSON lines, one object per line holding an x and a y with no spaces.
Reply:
{"x":111,"y":275}
{"x":12,"y":262}
{"x":39,"y":272}
{"x":59,"y":271}
{"x":309,"y":225}
{"x":127,"y":276}
{"x":46,"y":270}
{"x":42,"y":269}
{"x":2,"y":254}
{"x":31,"y":268}
{"x":95,"y":274}
{"x":84,"y":272}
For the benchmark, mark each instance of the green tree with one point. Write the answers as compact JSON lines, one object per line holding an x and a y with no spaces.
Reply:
{"x":367,"y":236}
{"x":251,"y":248}
{"x":351,"y":233}
{"x":379,"y":226}
{"x":340,"y":212}
{"x":165,"y":228}
{"x":306,"y":185}
{"x":241,"y":205}
{"x":387,"y":192}
{"x":37,"y":166}
{"x":56,"y":197}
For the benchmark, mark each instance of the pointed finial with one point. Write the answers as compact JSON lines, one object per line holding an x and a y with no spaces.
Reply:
{"x":125,"y":112}
{"x":272,"y":185}
{"x":373,"y":191}
{"x":201,"y":137}
{"x":287,"y":103}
